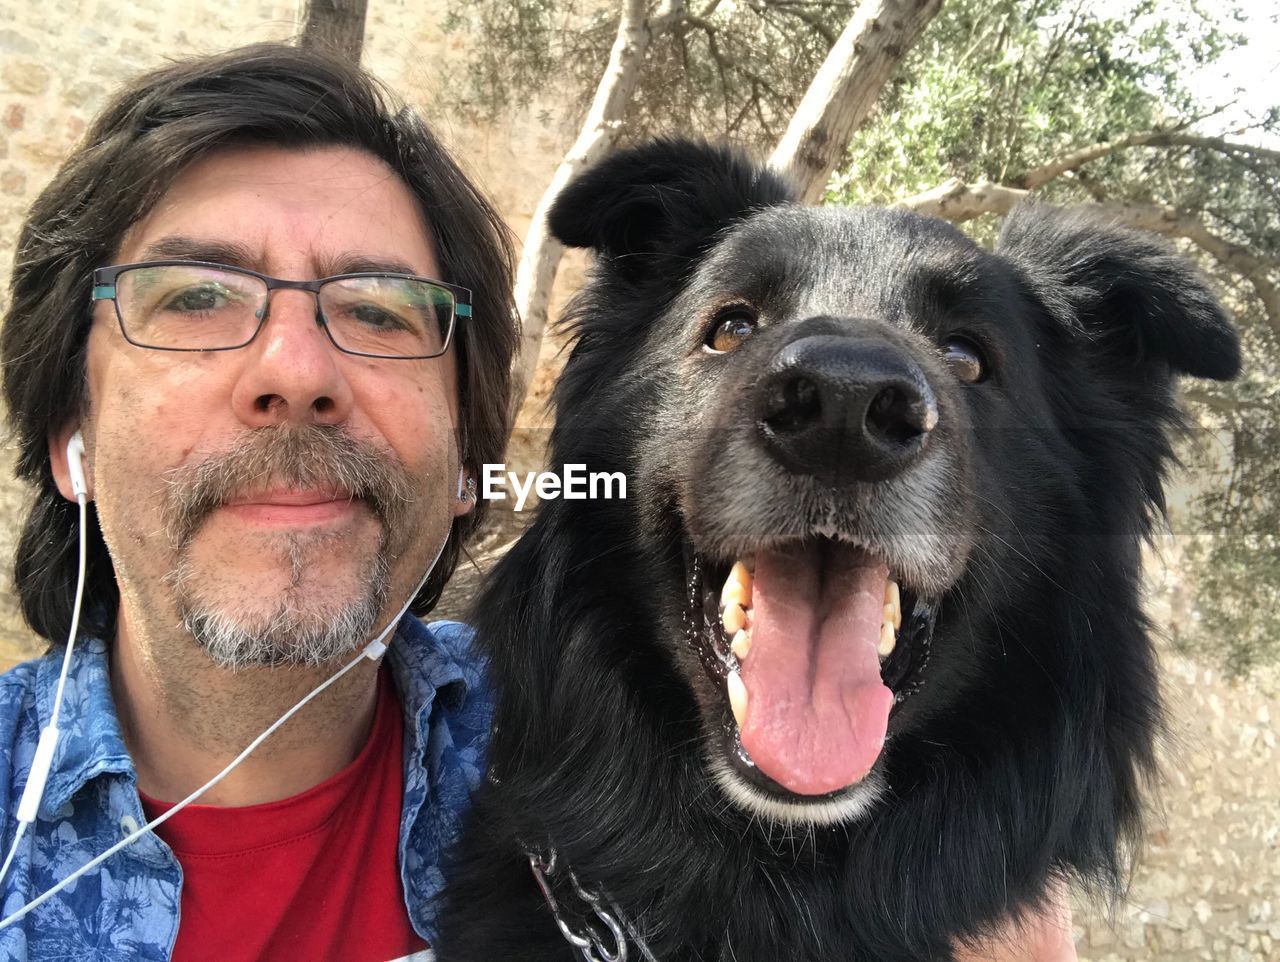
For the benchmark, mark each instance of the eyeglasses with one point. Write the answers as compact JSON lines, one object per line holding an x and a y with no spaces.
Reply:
{"x":194,"y":306}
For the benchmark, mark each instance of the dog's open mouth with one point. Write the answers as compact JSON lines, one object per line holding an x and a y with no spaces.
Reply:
{"x":813,"y":644}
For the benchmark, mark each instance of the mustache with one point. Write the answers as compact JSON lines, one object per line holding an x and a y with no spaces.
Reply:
{"x":306,"y":456}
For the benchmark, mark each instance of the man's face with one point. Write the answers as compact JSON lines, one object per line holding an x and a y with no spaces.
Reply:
{"x":281,"y":500}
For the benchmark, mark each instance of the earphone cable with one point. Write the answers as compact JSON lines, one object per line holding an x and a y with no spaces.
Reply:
{"x":42,"y":761}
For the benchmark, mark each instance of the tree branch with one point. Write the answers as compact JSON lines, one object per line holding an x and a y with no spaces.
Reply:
{"x":956,"y":201}
{"x":1039,"y":176}
{"x":541,"y":255}
{"x":804,"y":16}
{"x":724,"y":64}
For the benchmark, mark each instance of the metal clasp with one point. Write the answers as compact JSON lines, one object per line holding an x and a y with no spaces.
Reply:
{"x":591,"y":944}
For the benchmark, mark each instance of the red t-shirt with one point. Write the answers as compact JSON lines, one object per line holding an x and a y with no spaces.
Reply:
{"x":315,"y":876}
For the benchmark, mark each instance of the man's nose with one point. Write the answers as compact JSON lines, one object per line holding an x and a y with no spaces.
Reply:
{"x":293,"y":372}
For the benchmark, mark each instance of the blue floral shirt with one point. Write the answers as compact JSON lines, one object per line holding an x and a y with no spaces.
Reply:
{"x":128,"y":907}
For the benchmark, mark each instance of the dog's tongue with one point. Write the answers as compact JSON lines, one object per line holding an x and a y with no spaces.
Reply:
{"x":818,"y":710}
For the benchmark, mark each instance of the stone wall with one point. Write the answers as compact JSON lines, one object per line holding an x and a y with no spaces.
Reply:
{"x":1208,"y":885}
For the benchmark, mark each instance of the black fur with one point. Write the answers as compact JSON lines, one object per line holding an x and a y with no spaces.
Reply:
{"x":1022,"y":758}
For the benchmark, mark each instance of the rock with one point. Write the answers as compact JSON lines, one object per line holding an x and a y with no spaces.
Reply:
{"x":25,"y":76}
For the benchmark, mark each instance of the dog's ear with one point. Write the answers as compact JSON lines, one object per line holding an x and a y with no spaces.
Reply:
{"x":1127,"y":290}
{"x":669,"y":197}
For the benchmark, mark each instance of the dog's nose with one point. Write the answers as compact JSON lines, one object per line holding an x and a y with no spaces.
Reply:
{"x":845,"y":409}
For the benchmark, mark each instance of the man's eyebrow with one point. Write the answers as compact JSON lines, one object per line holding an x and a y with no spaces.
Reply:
{"x":362,"y":264}
{"x":178,"y":247}
{"x":187,"y":248}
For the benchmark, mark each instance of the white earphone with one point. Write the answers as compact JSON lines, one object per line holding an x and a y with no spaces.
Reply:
{"x":75,"y":465}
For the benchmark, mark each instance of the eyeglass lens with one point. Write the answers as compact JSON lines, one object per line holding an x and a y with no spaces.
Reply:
{"x":191,"y":307}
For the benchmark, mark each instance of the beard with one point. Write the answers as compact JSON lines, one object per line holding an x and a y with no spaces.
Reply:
{"x":298,"y":629}
{"x":297,"y":632}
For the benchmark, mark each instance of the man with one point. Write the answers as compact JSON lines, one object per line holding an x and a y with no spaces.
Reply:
{"x":272,"y":468}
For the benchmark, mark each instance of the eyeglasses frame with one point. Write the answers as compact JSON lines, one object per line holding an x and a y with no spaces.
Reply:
{"x":104,"y":289}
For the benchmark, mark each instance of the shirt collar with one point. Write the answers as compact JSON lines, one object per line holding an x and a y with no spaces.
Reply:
{"x":90,"y":743}
{"x":427,"y":663}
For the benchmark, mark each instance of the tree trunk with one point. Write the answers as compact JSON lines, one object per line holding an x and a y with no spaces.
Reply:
{"x":541,"y":255}
{"x":845,"y":89}
{"x":336,"y":26}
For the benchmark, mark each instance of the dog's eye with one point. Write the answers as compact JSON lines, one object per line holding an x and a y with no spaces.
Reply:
{"x":965,"y":359}
{"x":730,"y":330}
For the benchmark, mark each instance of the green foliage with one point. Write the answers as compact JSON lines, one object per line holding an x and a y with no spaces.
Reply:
{"x":511,"y":59}
{"x":994,"y":90}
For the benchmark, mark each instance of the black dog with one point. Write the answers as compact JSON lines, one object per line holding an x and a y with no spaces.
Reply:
{"x":858,"y":668}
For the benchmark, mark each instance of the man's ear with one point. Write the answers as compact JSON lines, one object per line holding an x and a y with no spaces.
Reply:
{"x":1130,"y":293}
{"x":59,"y":461}
{"x":664,"y":200}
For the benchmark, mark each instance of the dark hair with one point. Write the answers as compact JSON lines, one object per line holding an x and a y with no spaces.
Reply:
{"x":156,"y":126}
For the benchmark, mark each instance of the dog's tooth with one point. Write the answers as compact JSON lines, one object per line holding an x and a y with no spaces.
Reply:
{"x":893,"y":599}
{"x":893,"y":615}
{"x":737,"y":697}
{"x":734,"y":619}
{"x":733,"y":594}
{"x":737,"y":587}
{"x":741,"y":645}
{"x":888,"y":639}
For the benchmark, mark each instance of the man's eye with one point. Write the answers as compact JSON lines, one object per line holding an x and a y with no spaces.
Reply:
{"x":729,"y":330}
{"x":371,"y":315}
{"x":965,"y":359}
{"x":196,"y":300}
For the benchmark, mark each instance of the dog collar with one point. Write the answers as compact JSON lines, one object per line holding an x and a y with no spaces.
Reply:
{"x":604,"y":933}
